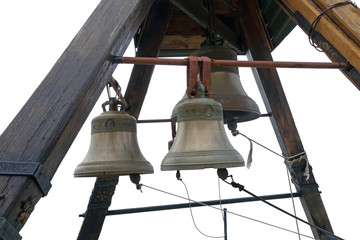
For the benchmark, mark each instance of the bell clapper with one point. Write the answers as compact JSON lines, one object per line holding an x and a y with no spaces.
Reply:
{"x":178,"y":175}
{"x":222,"y":173}
{"x":232,"y":126}
{"x":135,"y":178}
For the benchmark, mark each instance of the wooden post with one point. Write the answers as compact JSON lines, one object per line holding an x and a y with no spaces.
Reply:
{"x":44,"y":129}
{"x":152,"y":36}
{"x":149,"y":46}
{"x":269,"y":84}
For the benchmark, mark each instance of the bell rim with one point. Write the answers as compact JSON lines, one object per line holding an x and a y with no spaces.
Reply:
{"x":91,"y":169}
{"x":174,"y":160}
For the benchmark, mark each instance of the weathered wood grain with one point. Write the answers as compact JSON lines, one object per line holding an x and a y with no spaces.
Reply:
{"x":305,"y":12}
{"x":346,"y":17}
{"x":46,"y":126}
{"x":149,"y":46}
{"x":99,"y":203}
{"x":281,"y":118}
{"x":199,"y":14}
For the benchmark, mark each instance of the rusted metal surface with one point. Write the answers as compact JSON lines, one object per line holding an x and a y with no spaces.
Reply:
{"x":232,"y":63}
{"x":206,"y":74}
{"x":192,"y":72}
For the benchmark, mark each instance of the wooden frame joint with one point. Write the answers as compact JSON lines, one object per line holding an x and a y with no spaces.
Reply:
{"x":33,"y":169}
{"x":8,"y":231}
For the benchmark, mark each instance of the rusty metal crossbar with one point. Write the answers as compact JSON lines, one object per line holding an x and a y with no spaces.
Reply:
{"x":231,"y":63}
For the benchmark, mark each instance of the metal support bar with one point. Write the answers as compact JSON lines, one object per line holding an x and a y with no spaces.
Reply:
{"x":225,"y":224}
{"x":197,"y":204}
{"x":33,"y":169}
{"x":154,"y":121}
{"x":231,"y":63}
{"x":7,"y":231}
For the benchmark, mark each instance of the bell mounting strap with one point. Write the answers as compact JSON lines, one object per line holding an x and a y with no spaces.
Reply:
{"x":192,"y":75}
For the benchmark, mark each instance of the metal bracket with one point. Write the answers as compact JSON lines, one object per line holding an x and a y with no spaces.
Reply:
{"x":198,"y":66}
{"x":36,"y":170}
{"x":7,"y":231}
{"x":205,"y":74}
{"x":192,"y":73}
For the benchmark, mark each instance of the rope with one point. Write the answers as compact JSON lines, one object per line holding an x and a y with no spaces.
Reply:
{"x":306,"y":173}
{"x":230,"y":212}
{"x":249,"y":159}
{"x":317,"y":19}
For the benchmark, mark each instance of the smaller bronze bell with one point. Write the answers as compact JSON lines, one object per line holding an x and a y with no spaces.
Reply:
{"x":114,"y":148}
{"x":201,"y":141}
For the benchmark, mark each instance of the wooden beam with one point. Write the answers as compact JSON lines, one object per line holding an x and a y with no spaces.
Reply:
{"x":149,"y":46}
{"x":44,"y":129}
{"x":99,"y":203}
{"x":346,"y":17}
{"x":152,"y":35}
{"x":198,"y":13}
{"x":281,"y":118}
{"x":338,"y":35}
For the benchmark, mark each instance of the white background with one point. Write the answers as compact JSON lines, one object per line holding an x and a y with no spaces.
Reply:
{"x":324,"y":105}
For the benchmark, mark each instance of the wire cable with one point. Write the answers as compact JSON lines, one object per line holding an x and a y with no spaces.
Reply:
{"x":230,"y":212}
{"x":221,"y":207}
{"x":236,"y":132}
{"x":242,"y":188}
{"x":293,"y":202}
{"x":192,"y":215}
{"x":317,"y":19}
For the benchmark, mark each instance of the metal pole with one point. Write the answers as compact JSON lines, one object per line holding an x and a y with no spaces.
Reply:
{"x":225,"y":224}
{"x":154,"y":121}
{"x":231,"y":63}
{"x":195,"y":204}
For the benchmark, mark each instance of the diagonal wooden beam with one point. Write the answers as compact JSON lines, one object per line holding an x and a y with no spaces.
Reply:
{"x":201,"y":15}
{"x":60,"y":105}
{"x":281,"y":118}
{"x":149,"y":46}
{"x":346,"y":16}
{"x":337,"y":33}
{"x":99,"y":203}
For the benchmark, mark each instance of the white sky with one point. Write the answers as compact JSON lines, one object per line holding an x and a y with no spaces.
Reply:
{"x":323,"y":103}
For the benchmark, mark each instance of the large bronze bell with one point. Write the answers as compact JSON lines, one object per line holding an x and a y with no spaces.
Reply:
{"x":200,"y":141}
{"x":226,"y":87}
{"x":114,"y":148}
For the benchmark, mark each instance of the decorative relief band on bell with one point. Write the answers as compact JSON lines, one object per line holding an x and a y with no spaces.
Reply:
{"x":113,"y":125}
{"x":201,"y":110}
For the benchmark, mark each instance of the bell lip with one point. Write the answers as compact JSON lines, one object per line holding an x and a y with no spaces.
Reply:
{"x":92,"y":169}
{"x":171,"y":167}
{"x":184,"y":161}
{"x":102,"y":174}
